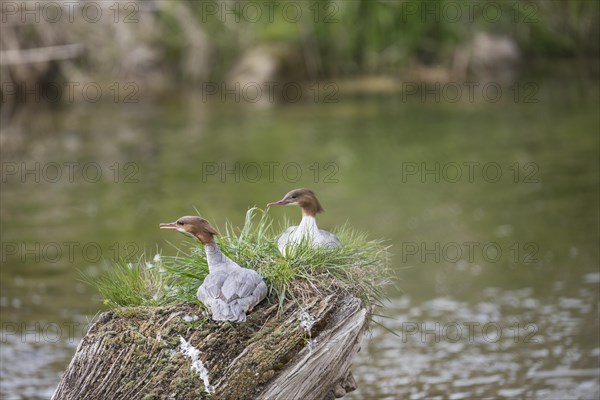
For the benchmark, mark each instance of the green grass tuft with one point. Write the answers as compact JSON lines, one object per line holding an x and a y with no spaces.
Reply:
{"x":131,"y":284}
{"x":359,"y":266}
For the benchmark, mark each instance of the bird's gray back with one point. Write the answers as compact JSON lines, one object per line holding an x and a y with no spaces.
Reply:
{"x":329,"y":240}
{"x":231,"y":293}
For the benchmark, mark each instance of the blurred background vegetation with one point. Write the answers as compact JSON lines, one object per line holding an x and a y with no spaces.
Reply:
{"x":165,"y":44}
{"x":153,"y":153}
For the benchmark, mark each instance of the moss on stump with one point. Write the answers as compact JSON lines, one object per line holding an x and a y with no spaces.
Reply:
{"x":135,"y":353}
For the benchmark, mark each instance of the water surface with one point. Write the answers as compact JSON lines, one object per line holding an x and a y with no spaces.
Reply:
{"x":491,"y":210}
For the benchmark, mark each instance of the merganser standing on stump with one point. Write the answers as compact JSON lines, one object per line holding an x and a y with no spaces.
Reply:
{"x":229,"y":291}
{"x":307,"y":230}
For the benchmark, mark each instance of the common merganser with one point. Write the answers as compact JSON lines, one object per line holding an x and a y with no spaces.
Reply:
{"x":229,"y":291}
{"x":307,"y":230}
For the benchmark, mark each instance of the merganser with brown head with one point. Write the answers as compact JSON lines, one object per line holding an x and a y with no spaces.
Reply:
{"x":229,"y":291}
{"x":307,"y":230}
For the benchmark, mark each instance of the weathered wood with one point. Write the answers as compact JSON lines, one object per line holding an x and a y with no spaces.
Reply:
{"x":327,"y":365}
{"x":303,"y":351}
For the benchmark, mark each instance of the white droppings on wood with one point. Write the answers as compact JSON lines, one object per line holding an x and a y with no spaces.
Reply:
{"x":306,"y":323}
{"x":192,"y":353}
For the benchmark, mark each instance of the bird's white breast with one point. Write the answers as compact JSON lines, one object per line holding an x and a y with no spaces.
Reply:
{"x":306,"y":231}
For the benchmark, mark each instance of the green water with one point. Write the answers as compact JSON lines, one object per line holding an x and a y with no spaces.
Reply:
{"x":491,"y":210}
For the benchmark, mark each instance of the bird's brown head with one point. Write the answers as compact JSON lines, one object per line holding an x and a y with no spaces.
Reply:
{"x":199,"y":227}
{"x":305,"y":198}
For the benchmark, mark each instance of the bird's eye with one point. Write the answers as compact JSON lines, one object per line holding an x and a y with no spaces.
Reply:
{"x":179,"y":222}
{"x":294,"y":196}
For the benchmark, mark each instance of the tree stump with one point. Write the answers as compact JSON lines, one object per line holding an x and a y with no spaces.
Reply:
{"x":301,"y":351}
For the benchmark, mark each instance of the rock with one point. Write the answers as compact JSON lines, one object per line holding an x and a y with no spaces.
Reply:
{"x":488,"y":58}
{"x":269,"y":74}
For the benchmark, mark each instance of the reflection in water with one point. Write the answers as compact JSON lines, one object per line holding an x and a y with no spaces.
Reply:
{"x":542,"y":217}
